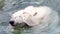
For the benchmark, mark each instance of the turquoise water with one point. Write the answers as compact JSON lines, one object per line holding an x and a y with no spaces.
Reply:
{"x":8,"y":7}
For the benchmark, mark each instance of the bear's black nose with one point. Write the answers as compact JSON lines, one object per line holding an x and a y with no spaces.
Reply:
{"x":12,"y":23}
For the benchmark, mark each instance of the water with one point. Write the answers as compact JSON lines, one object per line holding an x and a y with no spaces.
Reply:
{"x":8,"y":7}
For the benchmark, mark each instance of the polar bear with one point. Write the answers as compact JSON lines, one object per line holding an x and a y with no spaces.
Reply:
{"x":37,"y":17}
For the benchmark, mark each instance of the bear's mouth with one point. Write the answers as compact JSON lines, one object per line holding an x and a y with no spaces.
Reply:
{"x":21,"y":26}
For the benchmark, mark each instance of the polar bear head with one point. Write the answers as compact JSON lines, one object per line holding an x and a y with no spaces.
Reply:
{"x":23,"y":16}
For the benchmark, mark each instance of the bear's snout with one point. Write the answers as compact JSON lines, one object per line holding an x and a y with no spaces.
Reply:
{"x":12,"y":23}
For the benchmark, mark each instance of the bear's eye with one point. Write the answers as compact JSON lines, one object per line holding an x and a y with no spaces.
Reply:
{"x":20,"y":17}
{"x":35,"y":13}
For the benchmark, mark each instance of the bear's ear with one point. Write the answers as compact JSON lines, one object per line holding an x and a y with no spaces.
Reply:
{"x":35,"y":14}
